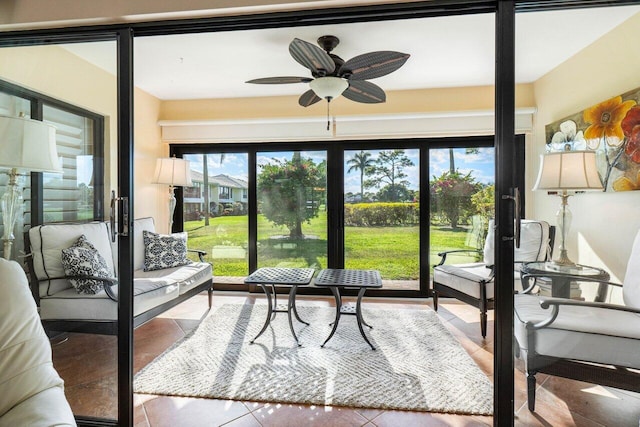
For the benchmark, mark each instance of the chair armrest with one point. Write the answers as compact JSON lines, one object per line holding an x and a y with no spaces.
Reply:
{"x":108,"y":283}
{"x":556,"y":303}
{"x":443,"y":255}
{"x":201,"y":254}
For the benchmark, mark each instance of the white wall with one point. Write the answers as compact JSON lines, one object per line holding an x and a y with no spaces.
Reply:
{"x":604,"y":224}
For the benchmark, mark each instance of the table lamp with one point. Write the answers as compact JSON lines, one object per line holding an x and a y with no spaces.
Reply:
{"x":560,"y":173}
{"x":27,"y":146}
{"x":173,"y":172}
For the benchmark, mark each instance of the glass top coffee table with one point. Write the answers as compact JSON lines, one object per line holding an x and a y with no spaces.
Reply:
{"x":335,"y":279}
{"x":562,"y":277}
{"x":269,"y":277}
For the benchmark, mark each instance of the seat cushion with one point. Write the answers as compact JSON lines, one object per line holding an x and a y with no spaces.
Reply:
{"x":186,"y":277}
{"x":26,"y":367}
{"x":69,"y":305}
{"x":466,"y":278}
{"x":582,"y":333}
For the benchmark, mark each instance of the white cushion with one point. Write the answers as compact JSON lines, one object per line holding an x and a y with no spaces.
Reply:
{"x":45,"y":409}
{"x":466,"y":278}
{"x":69,"y":305}
{"x":140,"y":225}
{"x":581,"y":333}
{"x":631,"y":284}
{"x":186,"y":276}
{"x":48,"y":241}
{"x":534,"y":242}
{"x":26,"y":368}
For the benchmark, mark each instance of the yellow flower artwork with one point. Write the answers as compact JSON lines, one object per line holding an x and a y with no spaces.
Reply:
{"x":611,"y":129}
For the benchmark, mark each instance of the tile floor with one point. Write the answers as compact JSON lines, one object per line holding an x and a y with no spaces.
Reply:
{"x":88,"y":365}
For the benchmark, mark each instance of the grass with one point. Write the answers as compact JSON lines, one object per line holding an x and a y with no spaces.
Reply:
{"x":394,"y":251}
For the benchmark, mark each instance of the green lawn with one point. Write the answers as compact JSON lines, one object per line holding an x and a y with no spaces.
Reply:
{"x":391,"y":250}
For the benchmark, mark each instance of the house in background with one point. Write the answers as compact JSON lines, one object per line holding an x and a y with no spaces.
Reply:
{"x":227,"y":196}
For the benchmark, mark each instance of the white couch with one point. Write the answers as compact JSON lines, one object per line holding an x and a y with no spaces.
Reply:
{"x":31,"y":391}
{"x":62,"y":308}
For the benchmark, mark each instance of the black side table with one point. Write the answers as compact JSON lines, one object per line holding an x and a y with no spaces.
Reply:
{"x":561,"y":277}
{"x":270,"y":277}
{"x":355,"y":279}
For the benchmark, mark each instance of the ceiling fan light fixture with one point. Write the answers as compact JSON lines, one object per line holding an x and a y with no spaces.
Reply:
{"x":329,"y":87}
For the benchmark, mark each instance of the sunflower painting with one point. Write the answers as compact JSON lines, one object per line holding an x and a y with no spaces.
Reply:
{"x":610,"y":128}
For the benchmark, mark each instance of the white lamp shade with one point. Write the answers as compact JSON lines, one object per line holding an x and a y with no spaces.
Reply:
{"x":28,"y":145}
{"x":329,"y":87}
{"x":173,"y":171}
{"x":568,"y":170}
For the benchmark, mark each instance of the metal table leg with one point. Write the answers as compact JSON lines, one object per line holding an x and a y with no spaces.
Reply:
{"x":269,"y":312}
{"x":290,"y":308}
{"x":359,"y":316}
{"x":336,"y":293}
{"x":292,"y":295}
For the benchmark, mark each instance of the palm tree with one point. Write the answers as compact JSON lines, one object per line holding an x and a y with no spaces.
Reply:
{"x":361,"y":161}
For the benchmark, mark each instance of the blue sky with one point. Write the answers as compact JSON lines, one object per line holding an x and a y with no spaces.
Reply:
{"x":482,"y":164}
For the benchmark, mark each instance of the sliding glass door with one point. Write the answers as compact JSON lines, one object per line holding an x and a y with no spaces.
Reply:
{"x":382,"y":214}
{"x":292,"y":209}
{"x":216,"y":211}
{"x":49,"y":82}
{"x":461,"y":201}
{"x":250,"y":208}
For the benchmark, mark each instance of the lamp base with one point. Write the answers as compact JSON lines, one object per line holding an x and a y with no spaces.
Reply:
{"x":563,"y":262}
{"x":7,"y":248}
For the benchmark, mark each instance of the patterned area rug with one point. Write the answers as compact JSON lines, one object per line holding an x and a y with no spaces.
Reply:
{"x":418,"y":364}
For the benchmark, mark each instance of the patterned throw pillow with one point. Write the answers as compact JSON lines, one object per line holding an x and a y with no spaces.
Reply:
{"x":83,"y":259}
{"x":164,"y":251}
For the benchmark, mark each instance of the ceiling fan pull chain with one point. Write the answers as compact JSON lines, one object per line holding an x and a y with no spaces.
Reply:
{"x":328,"y":121}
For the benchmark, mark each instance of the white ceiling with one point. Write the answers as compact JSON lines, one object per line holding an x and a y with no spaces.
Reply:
{"x":445,"y":52}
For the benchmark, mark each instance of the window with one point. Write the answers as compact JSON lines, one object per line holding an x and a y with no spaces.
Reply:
{"x":77,"y":194}
{"x":225,"y":193}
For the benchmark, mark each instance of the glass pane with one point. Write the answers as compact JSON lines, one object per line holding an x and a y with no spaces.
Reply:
{"x":14,"y":106}
{"x":579,"y":110}
{"x":462,"y":202}
{"x":83,"y":355}
{"x":216,"y":211}
{"x":381,"y":215}
{"x":292,"y":215}
{"x":69,"y":197}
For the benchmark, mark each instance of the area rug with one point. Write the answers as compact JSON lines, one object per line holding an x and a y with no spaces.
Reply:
{"x":418,"y":365}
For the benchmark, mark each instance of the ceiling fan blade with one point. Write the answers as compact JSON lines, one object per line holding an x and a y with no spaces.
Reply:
{"x":312,"y":57}
{"x":280,"y":80}
{"x":365,"y":92}
{"x":372,"y":65}
{"x":308,"y":98}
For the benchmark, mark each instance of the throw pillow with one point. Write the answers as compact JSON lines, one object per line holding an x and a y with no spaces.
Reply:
{"x":83,"y":259}
{"x":164,"y":251}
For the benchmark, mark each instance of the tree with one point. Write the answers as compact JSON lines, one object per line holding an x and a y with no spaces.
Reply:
{"x":451,"y":194}
{"x":205,"y":185}
{"x":291,"y":191}
{"x":388,"y":169}
{"x":363,"y":162}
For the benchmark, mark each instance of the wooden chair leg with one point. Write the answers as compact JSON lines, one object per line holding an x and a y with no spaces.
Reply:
{"x":210,"y":295}
{"x":531,"y":391}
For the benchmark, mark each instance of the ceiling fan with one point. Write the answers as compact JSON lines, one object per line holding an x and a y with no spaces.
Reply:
{"x":332,"y":76}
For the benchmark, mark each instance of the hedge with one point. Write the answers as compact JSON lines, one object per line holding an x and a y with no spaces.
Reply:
{"x":381,"y":214}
